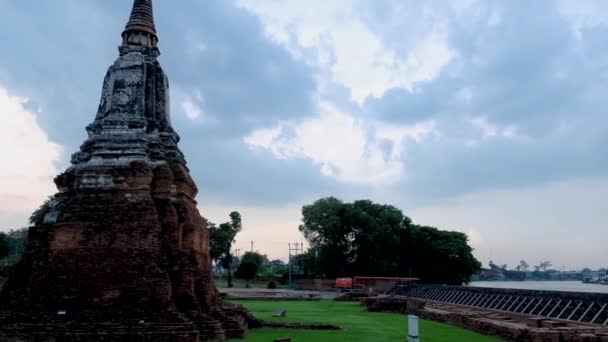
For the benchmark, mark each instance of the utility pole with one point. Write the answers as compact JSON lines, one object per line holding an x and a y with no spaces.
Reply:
{"x":289,"y":245}
{"x":251,"y":246}
{"x":299,"y":251}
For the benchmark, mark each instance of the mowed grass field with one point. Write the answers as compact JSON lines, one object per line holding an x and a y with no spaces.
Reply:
{"x":358,"y":324}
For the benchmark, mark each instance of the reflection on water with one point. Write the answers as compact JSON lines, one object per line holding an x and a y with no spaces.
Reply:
{"x":573,"y":286}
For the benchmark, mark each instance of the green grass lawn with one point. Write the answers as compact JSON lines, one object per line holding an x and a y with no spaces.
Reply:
{"x":359,"y":325}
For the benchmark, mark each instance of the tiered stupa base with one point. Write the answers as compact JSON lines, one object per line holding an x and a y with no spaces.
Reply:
{"x":123,"y":259}
{"x":178,"y":328}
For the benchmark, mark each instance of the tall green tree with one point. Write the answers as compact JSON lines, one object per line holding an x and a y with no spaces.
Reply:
{"x":437,"y":256}
{"x":543,"y":266}
{"x":17,"y":240}
{"x":4,"y":245}
{"x":236,"y":222}
{"x":12,"y":246}
{"x":376,"y":244}
{"x":250,"y":264}
{"x":230,"y":234}
{"x":247,"y":270}
{"x":523,"y":266}
{"x":253,"y":257}
{"x":324,"y":228}
{"x":371,"y":239}
{"x":226,"y":262}
{"x":217,"y":242}
{"x":221,"y":239}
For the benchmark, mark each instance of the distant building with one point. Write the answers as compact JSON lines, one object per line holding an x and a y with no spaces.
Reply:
{"x":276,"y":263}
{"x":492,"y":274}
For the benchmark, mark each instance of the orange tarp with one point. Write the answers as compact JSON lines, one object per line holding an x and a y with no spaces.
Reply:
{"x":344,"y":283}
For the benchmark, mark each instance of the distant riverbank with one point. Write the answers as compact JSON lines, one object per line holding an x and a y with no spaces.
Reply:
{"x":571,"y":286}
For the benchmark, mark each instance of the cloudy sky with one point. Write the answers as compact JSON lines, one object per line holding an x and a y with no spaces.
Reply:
{"x":487,"y":117}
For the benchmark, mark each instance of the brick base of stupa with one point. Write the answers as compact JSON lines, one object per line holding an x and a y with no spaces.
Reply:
{"x":121,"y":252}
{"x":126,"y":262}
{"x":233,"y":322}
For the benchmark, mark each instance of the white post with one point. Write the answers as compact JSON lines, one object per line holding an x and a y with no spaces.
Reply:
{"x":412,"y":329}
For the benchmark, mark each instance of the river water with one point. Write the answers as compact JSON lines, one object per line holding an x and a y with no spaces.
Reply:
{"x":572,"y":286}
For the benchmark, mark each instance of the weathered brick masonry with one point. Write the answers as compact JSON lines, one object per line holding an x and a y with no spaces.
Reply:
{"x":509,"y":326}
{"x":121,"y":252}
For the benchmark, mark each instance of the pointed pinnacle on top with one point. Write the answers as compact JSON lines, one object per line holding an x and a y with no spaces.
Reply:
{"x":141,"y":21}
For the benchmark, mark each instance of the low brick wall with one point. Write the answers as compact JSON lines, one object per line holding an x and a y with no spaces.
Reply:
{"x":315,"y":284}
{"x":115,"y":333}
{"x":396,"y":304}
{"x":506,"y":326}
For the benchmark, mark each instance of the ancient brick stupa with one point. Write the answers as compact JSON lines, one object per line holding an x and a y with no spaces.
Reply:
{"x":121,"y":252}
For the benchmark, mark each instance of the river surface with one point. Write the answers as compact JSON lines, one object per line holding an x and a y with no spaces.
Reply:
{"x":572,"y":286}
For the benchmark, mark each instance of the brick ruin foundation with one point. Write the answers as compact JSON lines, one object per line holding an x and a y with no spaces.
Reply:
{"x":121,"y":252}
{"x":509,"y":326}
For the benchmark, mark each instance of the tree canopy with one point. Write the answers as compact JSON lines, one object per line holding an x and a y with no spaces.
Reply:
{"x":13,"y":243}
{"x":247,"y":270}
{"x":221,"y":239}
{"x":252,"y":257}
{"x":4,"y":246}
{"x":250,"y":264}
{"x":371,"y":239}
{"x":523,"y":266}
{"x":222,"y":236}
{"x":12,"y":247}
{"x":437,"y":256}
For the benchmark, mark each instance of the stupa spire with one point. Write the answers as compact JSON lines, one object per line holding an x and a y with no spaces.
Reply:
{"x":140,"y":29}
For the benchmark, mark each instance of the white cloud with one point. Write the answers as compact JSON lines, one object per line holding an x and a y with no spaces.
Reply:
{"x":343,"y":147}
{"x":191,"y":103}
{"x":29,"y":160}
{"x":191,"y":109}
{"x":347,"y":50}
{"x":263,"y":137}
{"x":491,"y":130}
{"x":582,"y":14}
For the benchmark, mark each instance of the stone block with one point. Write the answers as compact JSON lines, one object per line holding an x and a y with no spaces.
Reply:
{"x":280,"y":313}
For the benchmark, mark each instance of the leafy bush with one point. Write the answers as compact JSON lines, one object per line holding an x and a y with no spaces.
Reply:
{"x":247,"y":270}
